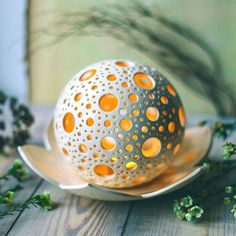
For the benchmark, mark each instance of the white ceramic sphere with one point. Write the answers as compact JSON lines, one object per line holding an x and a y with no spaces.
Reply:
{"x":119,"y":122}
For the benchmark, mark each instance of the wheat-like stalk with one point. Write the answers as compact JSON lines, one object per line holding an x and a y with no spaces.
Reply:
{"x":177,"y":48}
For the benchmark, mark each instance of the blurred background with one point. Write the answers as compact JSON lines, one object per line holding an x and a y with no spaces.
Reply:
{"x":42,"y":46}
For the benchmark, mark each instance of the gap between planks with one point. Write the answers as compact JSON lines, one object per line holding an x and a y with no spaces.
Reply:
{"x":74,"y":216}
{"x":18,"y":216}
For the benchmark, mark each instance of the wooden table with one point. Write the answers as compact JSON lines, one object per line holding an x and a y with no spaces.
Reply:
{"x":79,"y":216}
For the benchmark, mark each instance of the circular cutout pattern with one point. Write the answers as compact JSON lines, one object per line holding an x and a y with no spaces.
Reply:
{"x":69,"y":122}
{"x":103,"y":171}
{"x":113,"y":159}
{"x":151,"y":147}
{"x":164,"y":100}
{"x":129,"y":147}
{"x":126,"y":124}
{"x":83,"y":148}
{"x":107,"y":123}
{"x":176,"y":149}
{"x":161,"y":129}
{"x":135,"y":112}
{"x":111,"y":77}
{"x":108,"y":102}
{"x":171,"y":127}
{"x":87,"y":75}
{"x":181,"y":116}
{"x":131,"y":165}
{"x":90,"y":122}
{"x":152,"y":113}
{"x":118,"y":123}
{"x":108,"y":143}
{"x":144,"y":81}
{"x":123,"y":63}
{"x":77,"y":97}
{"x":171,"y":89}
{"x":65,"y":151}
{"x":125,"y":85}
{"x":133,"y":97}
{"x":144,"y":129}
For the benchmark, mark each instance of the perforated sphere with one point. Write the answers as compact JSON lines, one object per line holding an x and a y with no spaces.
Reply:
{"x":119,"y":123}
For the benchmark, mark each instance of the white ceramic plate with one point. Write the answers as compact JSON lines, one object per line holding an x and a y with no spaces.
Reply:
{"x":53,"y":167}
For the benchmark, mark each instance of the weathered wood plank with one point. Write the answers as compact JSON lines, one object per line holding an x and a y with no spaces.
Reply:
{"x":79,"y":216}
{"x":221,"y":221}
{"x":74,"y":216}
{"x":29,"y":186}
{"x":155,"y":217}
{"x":6,"y":222}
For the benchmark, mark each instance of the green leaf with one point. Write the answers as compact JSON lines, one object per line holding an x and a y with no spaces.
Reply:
{"x":186,"y":201}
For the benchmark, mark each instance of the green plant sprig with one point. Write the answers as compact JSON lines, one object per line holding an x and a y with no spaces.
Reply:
{"x":229,"y":150}
{"x":22,"y":120}
{"x":208,"y":186}
{"x":20,"y":173}
{"x":220,"y":129}
{"x":203,"y":190}
{"x":231,"y":198}
{"x":17,"y":171}
{"x":7,"y":197}
{"x":40,"y":200}
{"x":186,"y":209}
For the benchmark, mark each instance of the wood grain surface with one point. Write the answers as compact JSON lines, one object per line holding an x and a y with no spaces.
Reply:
{"x":30,"y":187}
{"x":79,"y":216}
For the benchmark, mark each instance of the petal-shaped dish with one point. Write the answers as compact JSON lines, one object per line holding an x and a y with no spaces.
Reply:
{"x":52,"y":166}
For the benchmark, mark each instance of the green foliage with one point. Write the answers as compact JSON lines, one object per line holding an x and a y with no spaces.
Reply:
{"x":233,"y":210}
{"x":220,"y":129}
{"x":40,"y":200}
{"x":22,"y":120}
{"x":231,"y":198}
{"x":185,"y":209}
{"x":229,"y":150}
{"x":7,"y":197}
{"x":205,"y":188}
{"x":19,"y":173}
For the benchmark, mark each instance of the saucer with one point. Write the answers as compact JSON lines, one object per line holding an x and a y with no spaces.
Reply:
{"x":49,"y":163}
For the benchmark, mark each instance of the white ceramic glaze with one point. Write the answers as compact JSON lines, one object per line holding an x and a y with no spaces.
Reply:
{"x":53,"y":167}
{"x":118,"y":122}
